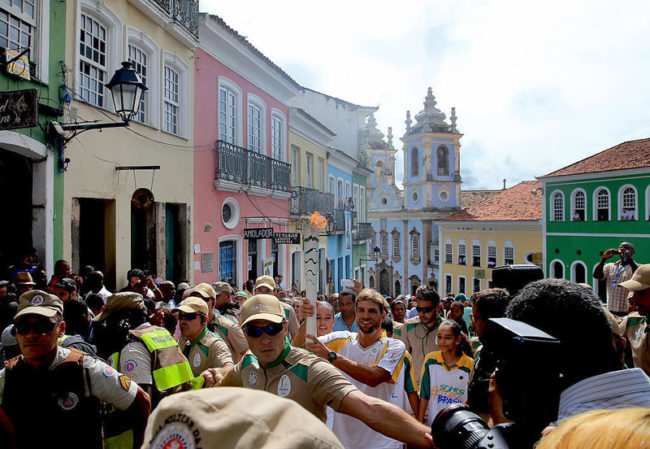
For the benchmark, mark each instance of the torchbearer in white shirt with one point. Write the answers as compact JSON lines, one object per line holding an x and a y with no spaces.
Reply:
{"x":370,"y":360}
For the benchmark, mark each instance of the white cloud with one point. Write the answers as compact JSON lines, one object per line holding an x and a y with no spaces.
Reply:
{"x":537,"y":86}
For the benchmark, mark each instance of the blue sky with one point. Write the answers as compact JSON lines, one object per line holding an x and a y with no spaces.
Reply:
{"x":536,"y":86}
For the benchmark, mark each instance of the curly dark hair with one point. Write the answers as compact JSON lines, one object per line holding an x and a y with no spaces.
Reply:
{"x":428,"y":294}
{"x":575,"y":316}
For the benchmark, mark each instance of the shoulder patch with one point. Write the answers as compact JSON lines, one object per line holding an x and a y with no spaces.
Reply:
{"x":125,"y":382}
{"x":300,"y":370}
{"x":247,"y":360}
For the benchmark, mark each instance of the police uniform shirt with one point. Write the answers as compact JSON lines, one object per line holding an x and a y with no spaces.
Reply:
{"x":231,"y":333}
{"x":419,"y":340}
{"x":386,"y":353}
{"x":297,"y":374}
{"x":635,"y":328}
{"x":444,"y":385}
{"x":207,"y":351}
{"x":135,"y":360}
{"x":100,"y":381}
{"x":397,"y":329}
{"x":292,"y":319}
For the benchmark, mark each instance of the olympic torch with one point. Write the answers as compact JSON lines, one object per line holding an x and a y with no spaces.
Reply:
{"x":311,"y":256}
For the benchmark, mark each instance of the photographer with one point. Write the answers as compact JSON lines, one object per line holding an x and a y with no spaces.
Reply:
{"x":616,"y":273}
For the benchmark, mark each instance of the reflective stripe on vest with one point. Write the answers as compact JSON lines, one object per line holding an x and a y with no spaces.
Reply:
{"x":159,"y":339}
{"x":170,"y":376}
{"x":197,"y":383}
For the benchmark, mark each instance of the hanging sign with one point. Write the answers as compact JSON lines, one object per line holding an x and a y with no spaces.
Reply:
{"x":258,"y":233}
{"x":18,"y":109}
{"x":286,"y":238}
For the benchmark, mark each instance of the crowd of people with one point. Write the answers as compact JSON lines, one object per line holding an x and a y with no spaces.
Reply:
{"x":159,"y":363}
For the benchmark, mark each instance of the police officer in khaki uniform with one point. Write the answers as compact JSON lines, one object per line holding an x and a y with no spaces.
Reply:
{"x":227,"y":329}
{"x":275,"y":366}
{"x":202,"y":348}
{"x":49,"y":388}
{"x":266,"y":285}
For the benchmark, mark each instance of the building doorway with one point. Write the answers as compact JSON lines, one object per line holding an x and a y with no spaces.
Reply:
{"x":384,"y":283}
{"x":143,"y":239}
{"x":93,"y":236}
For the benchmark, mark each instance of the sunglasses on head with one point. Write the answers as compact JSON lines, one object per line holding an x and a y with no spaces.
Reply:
{"x":424,"y":309}
{"x":187,"y":316}
{"x":257,"y":331}
{"x":38,"y":327}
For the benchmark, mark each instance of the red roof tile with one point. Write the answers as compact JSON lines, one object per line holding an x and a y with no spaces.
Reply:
{"x":514,"y":204}
{"x":469,"y":197}
{"x":624,"y":156}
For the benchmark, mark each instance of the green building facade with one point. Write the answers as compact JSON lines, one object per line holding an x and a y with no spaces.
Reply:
{"x":593,"y":205}
{"x":32,"y":45}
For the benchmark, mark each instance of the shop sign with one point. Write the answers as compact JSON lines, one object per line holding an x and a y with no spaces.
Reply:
{"x":258,"y":233}
{"x":286,"y":238}
{"x":18,"y":109}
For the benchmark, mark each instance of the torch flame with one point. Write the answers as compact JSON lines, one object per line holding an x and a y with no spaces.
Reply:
{"x":318,"y":221}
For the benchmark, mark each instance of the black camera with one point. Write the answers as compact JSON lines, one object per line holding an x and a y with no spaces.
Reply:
{"x":528,"y":379}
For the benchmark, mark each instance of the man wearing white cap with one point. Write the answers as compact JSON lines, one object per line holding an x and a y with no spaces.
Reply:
{"x":634,"y":327}
{"x":279,"y":368}
{"x":59,"y":385}
{"x":202,"y":348}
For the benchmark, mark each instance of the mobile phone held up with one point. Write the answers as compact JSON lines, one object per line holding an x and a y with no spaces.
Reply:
{"x":348,"y":283}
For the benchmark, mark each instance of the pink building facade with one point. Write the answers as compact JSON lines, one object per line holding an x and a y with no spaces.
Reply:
{"x":241,"y":153}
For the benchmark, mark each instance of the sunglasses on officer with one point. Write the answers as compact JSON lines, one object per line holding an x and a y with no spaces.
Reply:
{"x":188,"y":316}
{"x":425,"y":309}
{"x":39,"y":327}
{"x":257,"y":331}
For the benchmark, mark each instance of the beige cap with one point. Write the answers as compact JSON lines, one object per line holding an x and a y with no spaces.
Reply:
{"x":121,"y":301}
{"x":265,"y":281}
{"x":24,"y":278}
{"x":37,"y":302}
{"x":261,"y":307}
{"x":640,"y":279}
{"x":220,"y":287}
{"x":193,"y":305}
{"x":214,"y":417}
{"x":204,"y":290}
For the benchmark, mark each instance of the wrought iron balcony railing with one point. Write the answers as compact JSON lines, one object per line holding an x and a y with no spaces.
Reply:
{"x":307,"y":201}
{"x":362,"y":232}
{"x":185,"y":12}
{"x":242,"y":166}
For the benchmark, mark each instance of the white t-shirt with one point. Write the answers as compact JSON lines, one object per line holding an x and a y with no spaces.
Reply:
{"x":444,"y":385}
{"x":386,"y":353}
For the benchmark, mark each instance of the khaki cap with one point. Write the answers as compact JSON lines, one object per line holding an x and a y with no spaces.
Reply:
{"x":204,"y":290}
{"x":38,"y":302}
{"x":261,"y":307}
{"x":265,"y":281}
{"x":193,"y":305}
{"x":24,"y":278}
{"x":640,"y":279}
{"x":214,"y":417}
{"x":121,"y":301}
{"x":221,"y":287}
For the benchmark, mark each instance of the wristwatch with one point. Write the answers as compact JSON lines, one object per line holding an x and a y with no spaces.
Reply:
{"x":331,"y":356}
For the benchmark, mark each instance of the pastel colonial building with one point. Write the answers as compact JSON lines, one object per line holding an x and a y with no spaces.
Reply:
{"x":503,"y":229}
{"x":593,"y":205}
{"x":404,"y":220}
{"x":104,"y":225}
{"x":242,"y":177}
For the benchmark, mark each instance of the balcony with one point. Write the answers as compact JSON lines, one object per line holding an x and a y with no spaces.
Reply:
{"x":362,"y":233}
{"x":184,"y":12}
{"x":237,"y":166}
{"x":307,"y":201}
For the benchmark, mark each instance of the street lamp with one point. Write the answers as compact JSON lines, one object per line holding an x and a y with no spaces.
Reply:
{"x":126,"y":90}
{"x":376,"y":251}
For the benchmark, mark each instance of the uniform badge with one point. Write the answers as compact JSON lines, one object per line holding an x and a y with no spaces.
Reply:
{"x":69,"y":402}
{"x":108,"y":371}
{"x":125,"y":381}
{"x":130,"y":366}
{"x":174,"y":436}
{"x":37,"y":300}
{"x":284,"y":387}
{"x":197,"y":360}
{"x":252,"y":377}
{"x":638,"y":335}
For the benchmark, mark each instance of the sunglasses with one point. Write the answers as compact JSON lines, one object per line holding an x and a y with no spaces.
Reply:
{"x":188,"y":316}
{"x":269,"y":329}
{"x":39,"y":327}
{"x":425,"y":309}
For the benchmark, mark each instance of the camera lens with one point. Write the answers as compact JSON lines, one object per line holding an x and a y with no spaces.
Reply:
{"x":457,"y":427}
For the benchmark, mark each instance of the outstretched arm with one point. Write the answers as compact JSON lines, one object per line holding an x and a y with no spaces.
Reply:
{"x":386,"y":418}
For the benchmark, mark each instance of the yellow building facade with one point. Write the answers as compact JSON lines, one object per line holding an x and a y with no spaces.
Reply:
{"x":504,"y":229}
{"x":308,"y":140}
{"x":104,"y":225}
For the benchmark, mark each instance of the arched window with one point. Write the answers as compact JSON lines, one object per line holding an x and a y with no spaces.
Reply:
{"x":557,"y":206}
{"x":396,"y":245}
{"x":601,"y":202}
{"x":371,"y":281}
{"x":443,"y":160}
{"x":383,"y":244}
{"x":415,"y":246}
{"x":578,"y":272}
{"x":449,"y":251}
{"x":415,"y":162}
{"x":398,"y":288}
{"x":557,"y":269}
{"x":476,"y":253}
{"x":578,"y":205}
{"x":492,"y":254}
{"x":627,"y":203}
{"x":462,"y":252}
{"x":647,"y":202}
{"x":508,"y":253}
